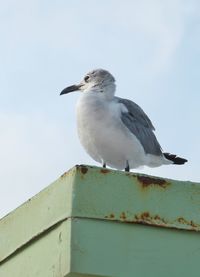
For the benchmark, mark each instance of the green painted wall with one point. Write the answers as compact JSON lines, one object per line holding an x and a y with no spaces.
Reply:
{"x":100,"y":222}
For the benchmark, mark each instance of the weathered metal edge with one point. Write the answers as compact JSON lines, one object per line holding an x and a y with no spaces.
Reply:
{"x":185,"y":193}
{"x":69,"y":180}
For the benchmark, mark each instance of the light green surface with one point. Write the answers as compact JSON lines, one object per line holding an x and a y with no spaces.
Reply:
{"x":49,"y":255}
{"x":127,"y":250}
{"x":89,"y":247}
{"x":95,"y":210}
{"x":47,"y":208}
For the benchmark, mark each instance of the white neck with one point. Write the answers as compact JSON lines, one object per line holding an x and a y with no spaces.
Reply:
{"x":102,"y":92}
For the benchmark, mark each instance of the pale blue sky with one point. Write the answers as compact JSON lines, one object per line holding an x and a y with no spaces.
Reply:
{"x":151,"y":47}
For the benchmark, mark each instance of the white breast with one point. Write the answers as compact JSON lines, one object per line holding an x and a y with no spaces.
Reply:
{"x":103,"y":135}
{"x":88,"y":113}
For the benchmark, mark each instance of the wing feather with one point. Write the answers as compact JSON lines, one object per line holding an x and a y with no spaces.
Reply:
{"x":141,"y":126}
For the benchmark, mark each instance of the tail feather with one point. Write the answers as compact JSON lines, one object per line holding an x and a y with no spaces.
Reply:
{"x":175,"y":159}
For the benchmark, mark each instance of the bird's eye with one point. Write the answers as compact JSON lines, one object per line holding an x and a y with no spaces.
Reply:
{"x":86,"y":79}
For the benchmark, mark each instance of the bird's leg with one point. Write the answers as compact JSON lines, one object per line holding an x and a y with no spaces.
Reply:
{"x":104,"y":164}
{"x":127,"y":168}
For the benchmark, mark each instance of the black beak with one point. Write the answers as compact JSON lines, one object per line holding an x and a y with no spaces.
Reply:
{"x":70,"y":89}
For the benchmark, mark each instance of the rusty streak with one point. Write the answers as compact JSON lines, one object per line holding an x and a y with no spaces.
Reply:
{"x":105,"y":171}
{"x":146,"y":181}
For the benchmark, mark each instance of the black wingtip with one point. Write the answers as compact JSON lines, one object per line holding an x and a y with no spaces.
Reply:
{"x":175,"y":159}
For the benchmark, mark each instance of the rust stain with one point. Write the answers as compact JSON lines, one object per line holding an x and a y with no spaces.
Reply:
{"x":123,"y":216}
{"x":84,"y":170}
{"x":156,"y":217}
{"x":155,"y":220}
{"x":186,"y":222}
{"x":110,"y":216}
{"x":136,"y":217}
{"x":105,"y":171}
{"x":146,"y":217}
{"x":64,"y":174}
{"x":181,"y":220}
{"x":146,"y":181}
{"x":193,"y":224}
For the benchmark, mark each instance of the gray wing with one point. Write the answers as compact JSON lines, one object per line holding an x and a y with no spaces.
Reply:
{"x":140,"y":125}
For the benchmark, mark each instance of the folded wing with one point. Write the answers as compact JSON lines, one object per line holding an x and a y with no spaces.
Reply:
{"x":135,"y":119}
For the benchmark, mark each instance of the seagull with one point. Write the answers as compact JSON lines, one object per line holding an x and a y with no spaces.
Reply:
{"x":114,"y":131}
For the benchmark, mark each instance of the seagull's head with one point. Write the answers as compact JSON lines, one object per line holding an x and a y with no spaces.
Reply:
{"x":96,"y":81}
